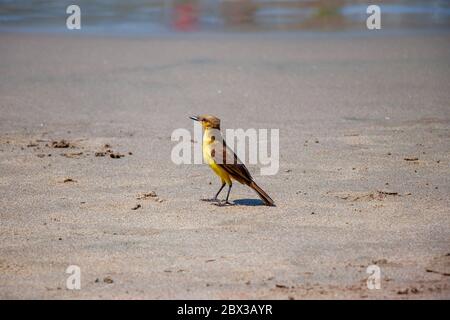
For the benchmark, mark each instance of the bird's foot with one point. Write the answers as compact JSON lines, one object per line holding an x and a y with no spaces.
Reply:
{"x":224,"y":204}
{"x":210,"y":200}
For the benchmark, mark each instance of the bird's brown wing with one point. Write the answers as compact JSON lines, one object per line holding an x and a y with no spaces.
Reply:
{"x":229,"y":161}
{"x":233,"y":166}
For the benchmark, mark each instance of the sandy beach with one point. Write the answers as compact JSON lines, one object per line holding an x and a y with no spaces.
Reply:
{"x":364,"y":167}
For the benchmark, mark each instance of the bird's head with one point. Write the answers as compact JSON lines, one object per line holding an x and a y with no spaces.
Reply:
{"x":208,"y":121}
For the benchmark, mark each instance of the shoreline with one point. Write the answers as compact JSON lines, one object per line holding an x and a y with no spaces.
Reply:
{"x":211,"y":35}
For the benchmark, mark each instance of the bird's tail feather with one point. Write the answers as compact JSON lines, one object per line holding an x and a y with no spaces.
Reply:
{"x":262,"y":194}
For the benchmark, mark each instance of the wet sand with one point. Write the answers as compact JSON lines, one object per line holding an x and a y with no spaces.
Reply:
{"x":364,"y":169}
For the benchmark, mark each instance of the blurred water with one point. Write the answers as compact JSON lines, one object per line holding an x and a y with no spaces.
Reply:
{"x":159,"y":17}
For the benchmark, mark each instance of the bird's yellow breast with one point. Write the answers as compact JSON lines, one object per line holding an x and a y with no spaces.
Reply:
{"x":209,"y":145}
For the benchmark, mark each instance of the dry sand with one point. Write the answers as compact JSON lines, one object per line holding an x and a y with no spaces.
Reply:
{"x":349,"y":110}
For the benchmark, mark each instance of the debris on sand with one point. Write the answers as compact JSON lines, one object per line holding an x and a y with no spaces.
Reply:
{"x":108,"y":280}
{"x":380,"y":261}
{"x":61,"y":144}
{"x":411,"y":159}
{"x":150,"y":195}
{"x":112,"y":154}
{"x":413,"y":290}
{"x":388,"y":193}
{"x":377,"y":195}
{"x":281,"y":286}
{"x":41,"y":155}
{"x":116,"y":155}
{"x":403,"y":291}
{"x":69,"y":180}
{"x":145,"y":196}
{"x":64,"y":144}
{"x":72,"y":154}
{"x":136,"y":207}
{"x":100,"y":154}
{"x":108,"y":151}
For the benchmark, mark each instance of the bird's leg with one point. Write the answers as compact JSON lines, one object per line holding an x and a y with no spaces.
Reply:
{"x":228,"y":193}
{"x":226,"y":202}
{"x":217,"y":194}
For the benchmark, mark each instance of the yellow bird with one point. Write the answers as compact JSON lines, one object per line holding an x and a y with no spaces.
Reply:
{"x":223,"y":161}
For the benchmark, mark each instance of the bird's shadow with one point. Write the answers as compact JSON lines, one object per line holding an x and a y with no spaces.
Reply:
{"x":249,"y":202}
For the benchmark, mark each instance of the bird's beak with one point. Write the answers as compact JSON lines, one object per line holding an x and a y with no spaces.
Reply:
{"x":194,"y":118}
